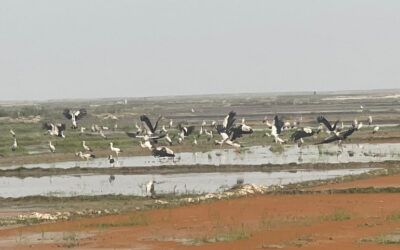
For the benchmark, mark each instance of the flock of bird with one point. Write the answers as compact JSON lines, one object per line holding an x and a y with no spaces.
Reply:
{"x":149,"y":134}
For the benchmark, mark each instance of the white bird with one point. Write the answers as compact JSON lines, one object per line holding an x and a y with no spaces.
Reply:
{"x":192,"y":110}
{"x":147,"y":144}
{"x":115,"y":126}
{"x":200,"y":131}
{"x":376,"y":129}
{"x":195,"y":141}
{"x":163,"y":129}
{"x":102,"y":134}
{"x":15,"y":145}
{"x":51,"y":147}
{"x":209,"y":134}
{"x":115,"y":150}
{"x":369,"y":120}
{"x":203,"y":123}
{"x":12,"y":132}
{"x":82,"y":131}
{"x":86,"y":147}
{"x":243,"y":120}
{"x":170,"y":123}
{"x":213,"y":123}
{"x":86,"y":157}
{"x":168,"y":139}
{"x":138,"y":128}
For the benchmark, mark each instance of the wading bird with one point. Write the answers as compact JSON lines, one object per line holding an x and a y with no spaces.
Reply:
{"x":115,"y":150}
{"x":86,"y":147}
{"x":52,"y":147}
{"x":85,"y":156}
{"x":15,"y":145}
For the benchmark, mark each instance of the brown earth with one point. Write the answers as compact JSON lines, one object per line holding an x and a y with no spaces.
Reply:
{"x":378,"y":182}
{"x":319,"y":221}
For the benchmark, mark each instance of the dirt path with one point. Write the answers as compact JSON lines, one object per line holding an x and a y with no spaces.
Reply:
{"x":339,"y":221}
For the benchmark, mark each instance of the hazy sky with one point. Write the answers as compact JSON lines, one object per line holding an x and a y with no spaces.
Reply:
{"x":74,"y":49}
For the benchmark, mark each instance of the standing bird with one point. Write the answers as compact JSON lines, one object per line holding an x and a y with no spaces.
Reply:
{"x":369,"y":120}
{"x":82,"y":131}
{"x":74,"y":115}
{"x":86,"y":147}
{"x":150,"y":189}
{"x":376,"y":129}
{"x":111,"y":161}
{"x":51,"y":147}
{"x":115,"y":150}
{"x":15,"y":145}
{"x":168,"y":139}
{"x":171,"y":122}
{"x":195,"y":141}
{"x":86,"y":157}
{"x":12,"y":133}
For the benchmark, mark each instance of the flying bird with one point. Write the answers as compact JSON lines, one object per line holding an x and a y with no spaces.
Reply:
{"x":150,"y":129}
{"x":74,"y":115}
{"x":327,"y":124}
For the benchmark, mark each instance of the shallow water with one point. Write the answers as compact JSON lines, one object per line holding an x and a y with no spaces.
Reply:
{"x":73,"y":185}
{"x":256,"y":155}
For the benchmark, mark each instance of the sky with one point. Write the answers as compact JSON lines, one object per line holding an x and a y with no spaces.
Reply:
{"x":93,"y":49}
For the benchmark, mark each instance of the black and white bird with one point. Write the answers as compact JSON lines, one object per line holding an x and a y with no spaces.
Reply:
{"x":150,"y":129}
{"x":375,"y":130}
{"x":85,"y":156}
{"x":323,"y":120}
{"x":369,"y":120}
{"x":163,"y":151}
{"x":52,"y":147}
{"x":184,"y":132}
{"x":15,"y":145}
{"x":55,"y":130}
{"x":277,"y":129}
{"x":74,"y":115}
{"x":303,"y":133}
{"x":111,"y":160}
{"x":339,"y":136}
{"x":150,"y":192}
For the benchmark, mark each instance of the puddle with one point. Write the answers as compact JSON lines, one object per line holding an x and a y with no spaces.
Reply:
{"x":73,"y":185}
{"x":256,"y":155}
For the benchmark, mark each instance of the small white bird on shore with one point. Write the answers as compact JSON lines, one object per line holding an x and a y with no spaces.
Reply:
{"x":116,"y":150}
{"x":52,"y":147}
{"x":15,"y":145}
{"x":86,"y":147}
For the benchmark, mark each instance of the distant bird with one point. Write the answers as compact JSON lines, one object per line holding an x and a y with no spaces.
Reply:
{"x":339,"y":136}
{"x":195,"y":141}
{"x":184,"y":132}
{"x":376,"y":129}
{"x":101,"y":133}
{"x":74,"y":115}
{"x":277,"y":129}
{"x":85,"y":156}
{"x":225,"y":139}
{"x":15,"y":145}
{"x":150,"y":192}
{"x":12,"y":132}
{"x":171,"y":123}
{"x":52,"y":147}
{"x":111,"y":161}
{"x":327,"y":124}
{"x":86,"y":147}
{"x":55,"y":130}
{"x":200,"y":131}
{"x":209,"y":134}
{"x":163,"y":152}
{"x":213,"y":123}
{"x":361,"y":107}
{"x":192,"y":110}
{"x":115,"y":126}
{"x":115,"y":150}
{"x":168,"y":139}
{"x":150,"y":129}
{"x":203,"y":124}
{"x":163,"y":129}
{"x":82,"y":131}
{"x":369,"y":120}
{"x":302,"y":133}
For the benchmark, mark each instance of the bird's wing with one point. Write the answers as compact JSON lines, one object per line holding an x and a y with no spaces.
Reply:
{"x":229,"y":120}
{"x":47,"y":126}
{"x":67,"y":114}
{"x":61,"y":127}
{"x":323,"y":120}
{"x":190,"y":130}
{"x":132,"y":135}
{"x":347,"y":133}
{"x":80,"y":114}
{"x":278,"y":124}
{"x":147,"y":123}
{"x":298,"y":134}
{"x":156,"y":125}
